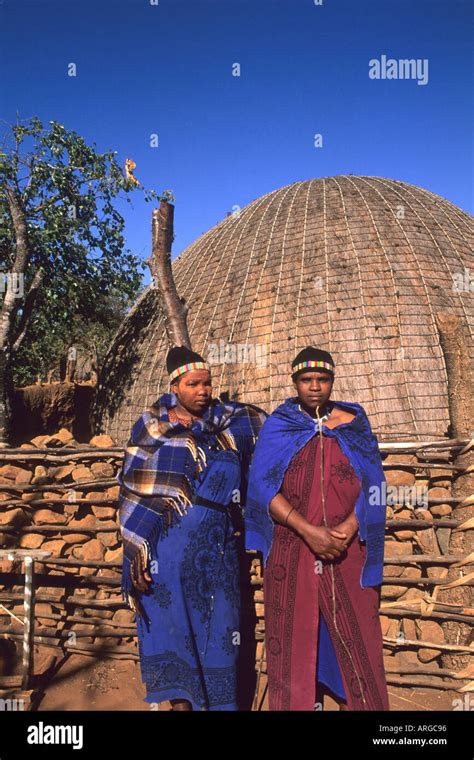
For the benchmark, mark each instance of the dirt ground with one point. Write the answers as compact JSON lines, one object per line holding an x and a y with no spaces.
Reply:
{"x":86,"y":683}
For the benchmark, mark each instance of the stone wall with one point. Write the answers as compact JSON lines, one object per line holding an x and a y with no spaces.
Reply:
{"x":61,"y":496}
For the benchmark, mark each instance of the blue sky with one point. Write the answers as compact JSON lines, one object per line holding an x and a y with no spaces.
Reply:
{"x":166,"y":69}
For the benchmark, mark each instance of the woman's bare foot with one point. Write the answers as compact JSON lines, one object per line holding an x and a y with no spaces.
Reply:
{"x":180,"y":704}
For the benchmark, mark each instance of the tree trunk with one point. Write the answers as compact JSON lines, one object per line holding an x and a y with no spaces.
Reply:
{"x":6,"y":392}
{"x":174,"y":309}
{"x":9,"y":309}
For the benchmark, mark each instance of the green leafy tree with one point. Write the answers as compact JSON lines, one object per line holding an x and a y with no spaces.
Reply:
{"x":62,"y":248}
{"x":45,"y":351}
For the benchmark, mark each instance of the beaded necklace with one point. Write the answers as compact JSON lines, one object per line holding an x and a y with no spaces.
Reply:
{"x":186,"y":421}
{"x":322,"y":418}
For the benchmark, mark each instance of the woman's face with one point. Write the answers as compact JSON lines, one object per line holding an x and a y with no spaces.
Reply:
{"x":314,"y":388}
{"x":194,"y":391}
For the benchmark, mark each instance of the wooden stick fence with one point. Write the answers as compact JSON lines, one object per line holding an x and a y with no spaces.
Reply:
{"x":436,"y":453}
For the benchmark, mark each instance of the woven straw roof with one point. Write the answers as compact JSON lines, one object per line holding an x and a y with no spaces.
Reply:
{"x":356,"y":265}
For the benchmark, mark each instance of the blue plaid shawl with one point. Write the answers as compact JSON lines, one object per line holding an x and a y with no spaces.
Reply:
{"x":163,"y":465}
{"x":284,"y":433}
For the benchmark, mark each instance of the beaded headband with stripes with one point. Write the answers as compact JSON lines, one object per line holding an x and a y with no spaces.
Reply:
{"x":303,"y":365}
{"x":187,"y":368}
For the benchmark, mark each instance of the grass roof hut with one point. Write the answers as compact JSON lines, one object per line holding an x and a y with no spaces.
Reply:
{"x":365,"y":267}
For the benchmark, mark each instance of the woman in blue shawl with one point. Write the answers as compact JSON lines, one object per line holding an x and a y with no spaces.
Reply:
{"x":182,"y":483}
{"x":317,"y":474}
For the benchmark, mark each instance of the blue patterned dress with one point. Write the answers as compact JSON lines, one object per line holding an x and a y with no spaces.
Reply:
{"x":191,"y":646}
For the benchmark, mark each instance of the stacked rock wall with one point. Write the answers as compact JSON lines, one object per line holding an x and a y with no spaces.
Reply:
{"x":61,"y":496}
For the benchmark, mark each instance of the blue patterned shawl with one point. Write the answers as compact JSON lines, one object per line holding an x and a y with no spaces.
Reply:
{"x":164,"y":464}
{"x":284,"y":433}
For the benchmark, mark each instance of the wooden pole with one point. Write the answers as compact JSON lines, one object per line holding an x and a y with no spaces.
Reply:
{"x":63,"y":600}
{"x":96,"y":649}
{"x":29,"y":623}
{"x":76,"y":486}
{"x":97,"y":632}
{"x":174,"y":308}
{"x":454,"y":343}
{"x":62,"y":454}
{"x":28,"y":556}
{"x":64,"y":618}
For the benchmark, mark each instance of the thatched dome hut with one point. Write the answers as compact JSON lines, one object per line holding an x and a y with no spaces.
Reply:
{"x":360,"y":266}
